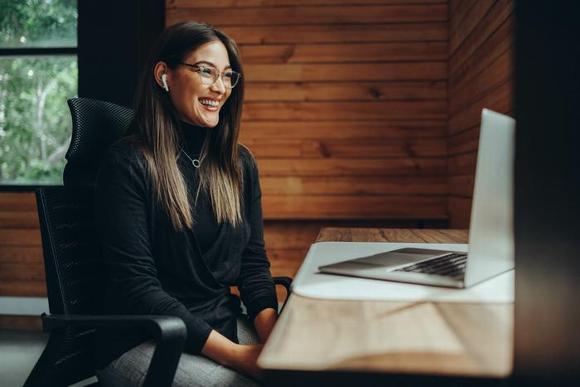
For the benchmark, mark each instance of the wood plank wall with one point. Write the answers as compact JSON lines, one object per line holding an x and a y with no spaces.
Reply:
{"x":346,"y":110}
{"x":21,"y":264}
{"x":480,"y":75}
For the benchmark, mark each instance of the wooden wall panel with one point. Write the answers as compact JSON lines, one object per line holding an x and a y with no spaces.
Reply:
{"x":480,"y":76}
{"x":349,"y":33}
{"x":357,"y":111}
{"x":354,"y":206}
{"x":282,"y":3}
{"x":311,"y":130}
{"x":347,"y":91}
{"x":312,"y":14}
{"x":353,"y":52}
{"x":21,"y":264}
{"x":325,"y":72}
{"x":346,"y":149}
{"x":353,"y":185}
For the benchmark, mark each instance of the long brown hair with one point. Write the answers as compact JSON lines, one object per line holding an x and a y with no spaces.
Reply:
{"x":158,"y":128}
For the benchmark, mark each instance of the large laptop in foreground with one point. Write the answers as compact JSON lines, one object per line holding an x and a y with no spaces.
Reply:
{"x":491,"y":248}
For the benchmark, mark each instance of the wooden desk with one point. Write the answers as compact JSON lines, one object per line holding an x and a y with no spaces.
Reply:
{"x":383,"y":338}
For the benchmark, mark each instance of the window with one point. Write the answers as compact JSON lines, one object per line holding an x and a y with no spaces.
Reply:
{"x":38,"y":72}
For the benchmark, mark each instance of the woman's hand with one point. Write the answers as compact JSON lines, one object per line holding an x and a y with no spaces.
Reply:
{"x":245,"y":360}
{"x":241,"y":358}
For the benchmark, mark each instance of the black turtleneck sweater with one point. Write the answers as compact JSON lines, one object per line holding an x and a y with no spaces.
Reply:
{"x":205,"y":227}
{"x":154,"y":269}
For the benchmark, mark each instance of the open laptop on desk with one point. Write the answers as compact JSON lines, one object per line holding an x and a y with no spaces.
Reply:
{"x":491,"y":249}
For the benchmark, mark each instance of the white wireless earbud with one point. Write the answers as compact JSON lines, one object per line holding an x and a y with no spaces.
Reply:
{"x":164,"y":81}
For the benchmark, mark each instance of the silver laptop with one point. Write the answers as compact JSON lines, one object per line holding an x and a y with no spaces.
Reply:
{"x":491,"y":247}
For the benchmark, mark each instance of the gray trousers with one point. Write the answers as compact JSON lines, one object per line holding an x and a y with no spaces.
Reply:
{"x":130,"y":368}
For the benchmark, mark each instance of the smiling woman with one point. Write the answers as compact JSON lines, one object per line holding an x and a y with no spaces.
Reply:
{"x":178,"y":206}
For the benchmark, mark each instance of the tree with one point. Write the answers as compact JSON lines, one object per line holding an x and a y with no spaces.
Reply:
{"x":34,"y":120}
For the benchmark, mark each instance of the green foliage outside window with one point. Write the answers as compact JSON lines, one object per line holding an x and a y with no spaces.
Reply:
{"x":35,"y":124}
{"x":38,"y":23}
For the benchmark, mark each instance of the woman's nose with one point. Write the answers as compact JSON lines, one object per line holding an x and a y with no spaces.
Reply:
{"x":219,"y":86}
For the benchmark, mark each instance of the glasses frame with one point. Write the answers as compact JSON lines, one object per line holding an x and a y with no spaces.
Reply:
{"x":220,"y":74}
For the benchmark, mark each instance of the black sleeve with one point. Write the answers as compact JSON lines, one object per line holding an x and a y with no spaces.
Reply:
{"x":122,"y":223}
{"x":255,"y":282}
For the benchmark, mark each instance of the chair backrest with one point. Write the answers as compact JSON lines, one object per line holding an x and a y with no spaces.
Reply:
{"x":96,"y":125}
{"x":72,"y":260}
{"x":71,"y":255}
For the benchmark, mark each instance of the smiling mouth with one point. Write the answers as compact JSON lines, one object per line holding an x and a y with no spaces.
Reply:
{"x":209,"y":104}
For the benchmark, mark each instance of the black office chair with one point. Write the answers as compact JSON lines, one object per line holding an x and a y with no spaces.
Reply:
{"x":74,"y":273}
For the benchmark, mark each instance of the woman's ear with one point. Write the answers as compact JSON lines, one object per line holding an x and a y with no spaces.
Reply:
{"x":160,"y":74}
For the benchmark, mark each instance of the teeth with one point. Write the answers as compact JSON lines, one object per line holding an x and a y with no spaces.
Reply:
{"x":209,"y":102}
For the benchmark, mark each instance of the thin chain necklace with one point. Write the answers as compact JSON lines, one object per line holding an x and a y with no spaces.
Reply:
{"x":195,"y":162}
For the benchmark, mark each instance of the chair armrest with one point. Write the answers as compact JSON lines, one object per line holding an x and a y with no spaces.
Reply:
{"x":155,"y":324}
{"x":168,"y":332}
{"x":287,"y":283}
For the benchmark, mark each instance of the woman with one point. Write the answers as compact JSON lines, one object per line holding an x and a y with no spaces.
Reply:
{"x":179,"y":216}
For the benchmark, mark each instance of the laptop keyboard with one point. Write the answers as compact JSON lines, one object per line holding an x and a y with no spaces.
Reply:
{"x":452,"y":265}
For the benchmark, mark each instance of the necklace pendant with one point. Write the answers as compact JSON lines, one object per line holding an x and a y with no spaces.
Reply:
{"x":195,"y":162}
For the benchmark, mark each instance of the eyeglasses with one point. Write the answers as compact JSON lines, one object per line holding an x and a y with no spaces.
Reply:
{"x":210,"y":75}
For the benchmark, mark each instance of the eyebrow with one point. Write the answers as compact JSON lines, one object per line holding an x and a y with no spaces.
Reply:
{"x":211,"y":64}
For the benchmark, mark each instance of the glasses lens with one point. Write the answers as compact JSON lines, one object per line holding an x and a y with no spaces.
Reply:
{"x":231,"y":78}
{"x":208,"y":74}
